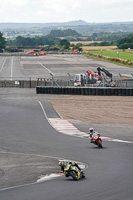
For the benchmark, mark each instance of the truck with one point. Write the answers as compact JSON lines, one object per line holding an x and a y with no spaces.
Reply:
{"x":91,"y":77}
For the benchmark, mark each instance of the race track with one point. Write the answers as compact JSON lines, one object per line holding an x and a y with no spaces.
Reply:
{"x":25,"y":131}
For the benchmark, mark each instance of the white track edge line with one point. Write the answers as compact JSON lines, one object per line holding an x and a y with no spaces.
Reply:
{"x":28,"y":184}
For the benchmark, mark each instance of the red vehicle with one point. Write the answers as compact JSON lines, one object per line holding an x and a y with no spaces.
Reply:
{"x":32,"y":52}
{"x":42,"y":53}
{"x":83,"y":78}
{"x":95,"y":75}
{"x":75,"y":51}
{"x":97,"y":140}
{"x":91,"y":77}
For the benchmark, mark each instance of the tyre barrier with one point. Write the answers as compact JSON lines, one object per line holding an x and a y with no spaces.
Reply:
{"x":106,"y":91}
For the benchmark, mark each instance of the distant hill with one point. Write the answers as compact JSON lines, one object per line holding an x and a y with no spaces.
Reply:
{"x":80,"y":26}
{"x":70,"y":23}
{"x":28,"y":25}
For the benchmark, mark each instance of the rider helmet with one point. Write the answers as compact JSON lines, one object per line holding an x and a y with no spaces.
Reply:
{"x":91,"y":130}
{"x":62,"y":163}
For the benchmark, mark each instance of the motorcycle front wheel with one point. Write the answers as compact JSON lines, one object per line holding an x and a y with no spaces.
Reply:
{"x":99,"y":144}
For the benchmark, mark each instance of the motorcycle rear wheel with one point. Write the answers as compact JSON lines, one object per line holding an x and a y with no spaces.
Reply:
{"x":74,"y":175}
{"x":83,"y":176}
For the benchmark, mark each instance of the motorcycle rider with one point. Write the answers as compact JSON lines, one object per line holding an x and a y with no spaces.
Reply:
{"x":63,"y":164}
{"x":92,"y":132}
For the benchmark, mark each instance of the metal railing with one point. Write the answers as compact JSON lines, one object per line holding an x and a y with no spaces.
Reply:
{"x":29,"y":82}
{"x":18,"y":82}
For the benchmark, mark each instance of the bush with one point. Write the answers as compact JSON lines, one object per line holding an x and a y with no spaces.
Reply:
{"x":126,"y":42}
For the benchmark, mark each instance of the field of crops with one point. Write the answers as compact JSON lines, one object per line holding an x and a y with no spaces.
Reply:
{"x":83,"y":42}
{"x":114,"y":54}
{"x":108,"y":48}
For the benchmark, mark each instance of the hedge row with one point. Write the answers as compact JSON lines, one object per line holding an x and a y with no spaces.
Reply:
{"x":119,"y":60}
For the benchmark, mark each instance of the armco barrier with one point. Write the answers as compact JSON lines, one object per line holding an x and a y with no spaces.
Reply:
{"x":103,"y":91}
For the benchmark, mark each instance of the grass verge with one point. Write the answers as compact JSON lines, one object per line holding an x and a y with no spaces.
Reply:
{"x":115,"y":60}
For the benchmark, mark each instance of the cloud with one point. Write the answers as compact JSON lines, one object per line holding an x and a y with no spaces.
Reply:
{"x":60,"y":11}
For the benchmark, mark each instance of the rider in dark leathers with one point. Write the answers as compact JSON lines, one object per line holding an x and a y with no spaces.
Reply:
{"x":63,"y":164}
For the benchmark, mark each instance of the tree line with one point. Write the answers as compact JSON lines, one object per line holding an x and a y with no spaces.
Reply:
{"x":126,"y":43}
{"x":35,"y":41}
{"x":64,"y":33}
{"x":2,"y":42}
{"x":57,"y":43}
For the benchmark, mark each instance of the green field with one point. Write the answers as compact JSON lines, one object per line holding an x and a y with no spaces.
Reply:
{"x":115,"y":54}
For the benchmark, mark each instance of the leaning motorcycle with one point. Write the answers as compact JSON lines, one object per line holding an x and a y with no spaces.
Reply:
{"x":97,"y":140}
{"x":74,"y":172}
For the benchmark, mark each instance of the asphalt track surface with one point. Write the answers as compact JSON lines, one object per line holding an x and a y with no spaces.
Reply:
{"x":25,"y":130}
{"x":24,"y":68}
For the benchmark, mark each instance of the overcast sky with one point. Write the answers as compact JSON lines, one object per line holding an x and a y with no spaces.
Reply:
{"x":44,"y":11}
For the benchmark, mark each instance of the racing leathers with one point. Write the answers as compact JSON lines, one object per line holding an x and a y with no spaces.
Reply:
{"x":63,"y":165}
